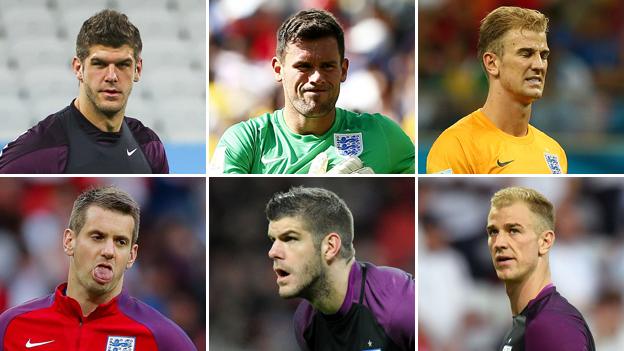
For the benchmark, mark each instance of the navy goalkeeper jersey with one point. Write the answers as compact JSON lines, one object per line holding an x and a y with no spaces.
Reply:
{"x":66,"y":142}
{"x":377,"y":314}
{"x":549,"y":323}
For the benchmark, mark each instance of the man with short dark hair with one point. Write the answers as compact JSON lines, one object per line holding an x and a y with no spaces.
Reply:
{"x":520,"y":228}
{"x":310,"y":134}
{"x":92,"y":134}
{"x":92,"y":311}
{"x":348,"y":305}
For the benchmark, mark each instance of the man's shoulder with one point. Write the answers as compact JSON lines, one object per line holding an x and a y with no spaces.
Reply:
{"x":142,"y":133}
{"x":44,"y":141}
{"x":389,"y":278}
{"x":30,"y":306}
{"x":467,"y":127}
{"x":543,"y":137}
{"x":167,"y":334}
{"x":554,"y":315}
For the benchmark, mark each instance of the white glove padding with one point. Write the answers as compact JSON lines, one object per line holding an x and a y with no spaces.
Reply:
{"x":319,"y":164}
{"x":351,"y":165}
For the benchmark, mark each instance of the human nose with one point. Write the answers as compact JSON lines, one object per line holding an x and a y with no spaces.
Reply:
{"x":111,"y":73}
{"x":316,"y":76}
{"x":500,"y":242}
{"x":108,"y":250}
{"x":276,"y":251}
{"x":539,"y":63}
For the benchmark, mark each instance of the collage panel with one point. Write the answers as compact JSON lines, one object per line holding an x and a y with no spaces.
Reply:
{"x":524,"y":89}
{"x":102,"y":263}
{"x":258,"y":266}
{"x":103,"y":87}
{"x":312,"y":87}
{"x":528,"y":263}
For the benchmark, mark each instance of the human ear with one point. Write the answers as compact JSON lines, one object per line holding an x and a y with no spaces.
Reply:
{"x":491,"y":63}
{"x":546,"y":241}
{"x":331,"y":246}
{"x":77,"y":68}
{"x":69,"y":242}
{"x":134,"y":251}
{"x":277,"y":69}
{"x":138,"y":70}
{"x":345,"y":68}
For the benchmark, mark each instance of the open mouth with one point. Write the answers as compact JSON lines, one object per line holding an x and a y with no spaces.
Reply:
{"x":103,"y":273}
{"x":534,"y":80}
{"x":281,"y":274}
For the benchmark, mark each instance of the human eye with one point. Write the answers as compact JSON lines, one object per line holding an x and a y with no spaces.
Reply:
{"x":123,"y":241}
{"x":492,"y":231}
{"x":97,"y":236}
{"x":545,"y":55}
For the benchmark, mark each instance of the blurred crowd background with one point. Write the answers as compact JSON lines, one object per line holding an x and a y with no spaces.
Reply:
{"x":462,"y":306}
{"x":379,"y":43}
{"x":583,"y":102}
{"x":38,"y":41}
{"x":170,"y":272}
{"x":246,"y":312}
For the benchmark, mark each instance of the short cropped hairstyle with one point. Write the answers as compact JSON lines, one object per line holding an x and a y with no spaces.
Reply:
{"x":108,"y":28}
{"x":309,"y":25}
{"x":109,"y":198}
{"x":503,"y":19}
{"x":536,"y":202}
{"x":321,"y":211}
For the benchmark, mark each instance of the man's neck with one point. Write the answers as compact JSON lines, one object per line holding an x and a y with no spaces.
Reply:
{"x":338,"y":281}
{"x":521,"y":292}
{"x":507,"y":114}
{"x":302,"y":125}
{"x":98,"y":119}
{"x":89,"y":303}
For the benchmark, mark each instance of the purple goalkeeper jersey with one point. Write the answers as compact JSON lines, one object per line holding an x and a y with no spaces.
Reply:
{"x":66,"y":142}
{"x":377,"y":314}
{"x":549,"y":323}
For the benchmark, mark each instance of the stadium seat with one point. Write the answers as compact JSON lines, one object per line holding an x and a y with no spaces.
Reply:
{"x":17,"y":117}
{"x":182,"y":119}
{"x":167,"y":83}
{"x":29,"y":22}
{"x":32,"y":52}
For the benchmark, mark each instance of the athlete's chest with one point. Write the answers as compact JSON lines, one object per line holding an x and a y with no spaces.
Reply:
{"x":514,"y":339}
{"x":518,"y":159}
{"x":357,"y":331}
{"x":49,"y":333}
{"x":281,"y":154}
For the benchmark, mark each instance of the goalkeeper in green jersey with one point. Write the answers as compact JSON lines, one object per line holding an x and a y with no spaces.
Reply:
{"x":310,"y":134}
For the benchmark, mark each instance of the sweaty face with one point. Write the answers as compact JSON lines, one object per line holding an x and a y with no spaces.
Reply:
{"x":106,"y":77}
{"x":523,"y":64}
{"x":296,"y":260}
{"x":311,"y":73}
{"x":513,"y":242}
{"x":101,"y":252}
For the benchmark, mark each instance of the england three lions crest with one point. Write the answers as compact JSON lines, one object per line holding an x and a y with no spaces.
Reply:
{"x":120,"y":343}
{"x":553,"y":163}
{"x":349,"y":144}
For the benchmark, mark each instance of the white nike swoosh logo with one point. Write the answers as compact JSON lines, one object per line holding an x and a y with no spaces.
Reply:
{"x":35,"y":344}
{"x":130,"y":152}
{"x":271,"y":160}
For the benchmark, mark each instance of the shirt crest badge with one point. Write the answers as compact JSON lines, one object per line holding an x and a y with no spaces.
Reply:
{"x":349,"y":144}
{"x":553,"y":163}
{"x":120,"y":343}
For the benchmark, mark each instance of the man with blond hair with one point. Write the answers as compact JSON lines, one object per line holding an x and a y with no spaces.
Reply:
{"x":498,"y":138}
{"x":520,"y":228}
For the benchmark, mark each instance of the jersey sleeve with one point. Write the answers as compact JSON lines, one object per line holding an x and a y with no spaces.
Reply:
{"x":235,"y":151}
{"x":402,"y":151}
{"x":564,"y":161}
{"x":301,"y":321}
{"x":448,"y":156}
{"x":555,"y":334}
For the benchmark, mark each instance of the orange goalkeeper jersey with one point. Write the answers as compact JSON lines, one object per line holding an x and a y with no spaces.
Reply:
{"x":474,"y":145}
